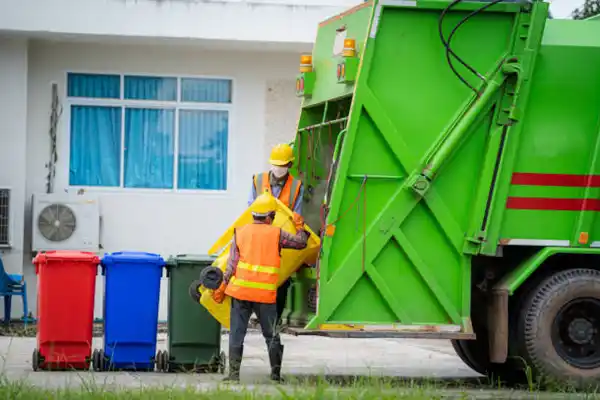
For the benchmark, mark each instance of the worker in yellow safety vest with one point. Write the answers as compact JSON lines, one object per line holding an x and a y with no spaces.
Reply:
{"x":251,"y":279}
{"x":287,"y":189}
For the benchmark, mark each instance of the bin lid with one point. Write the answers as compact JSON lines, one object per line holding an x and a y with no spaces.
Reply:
{"x":202,"y":259}
{"x":66,"y":255}
{"x":134,"y":257}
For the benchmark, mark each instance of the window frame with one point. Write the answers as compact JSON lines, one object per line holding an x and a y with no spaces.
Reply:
{"x":122,"y":103}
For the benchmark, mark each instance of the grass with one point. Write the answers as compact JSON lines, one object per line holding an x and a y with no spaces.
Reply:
{"x":317,"y":387}
{"x":25,"y":391}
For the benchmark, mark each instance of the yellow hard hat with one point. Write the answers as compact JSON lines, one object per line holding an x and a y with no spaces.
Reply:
{"x":282,"y":154}
{"x":264,"y":205}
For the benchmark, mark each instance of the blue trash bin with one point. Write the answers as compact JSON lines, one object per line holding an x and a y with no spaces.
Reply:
{"x":131,"y":298}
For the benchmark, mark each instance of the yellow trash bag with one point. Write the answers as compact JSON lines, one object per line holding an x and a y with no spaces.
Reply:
{"x":291,"y":259}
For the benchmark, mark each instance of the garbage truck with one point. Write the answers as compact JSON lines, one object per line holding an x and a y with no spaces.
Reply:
{"x":450,"y":152}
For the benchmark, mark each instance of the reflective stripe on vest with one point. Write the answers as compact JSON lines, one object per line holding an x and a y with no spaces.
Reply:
{"x":289,"y":191}
{"x":257,"y":272}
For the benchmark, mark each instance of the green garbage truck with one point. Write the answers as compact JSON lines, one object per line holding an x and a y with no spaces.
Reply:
{"x":450,"y":152}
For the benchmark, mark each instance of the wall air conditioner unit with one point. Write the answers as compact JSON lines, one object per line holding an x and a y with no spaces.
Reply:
{"x":5,"y":234}
{"x":63,"y":221}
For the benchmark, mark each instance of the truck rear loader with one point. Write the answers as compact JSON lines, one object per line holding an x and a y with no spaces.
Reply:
{"x":450,"y":157}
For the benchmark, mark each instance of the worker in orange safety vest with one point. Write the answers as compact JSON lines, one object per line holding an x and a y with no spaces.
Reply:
{"x":251,"y":279}
{"x":287,"y":189}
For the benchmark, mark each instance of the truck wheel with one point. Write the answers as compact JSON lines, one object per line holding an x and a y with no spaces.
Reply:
{"x":476,"y":355}
{"x":560,"y":328}
{"x":464,"y":350}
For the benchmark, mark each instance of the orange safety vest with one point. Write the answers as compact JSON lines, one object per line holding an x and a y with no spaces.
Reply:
{"x":289,"y":191}
{"x":257,"y":273}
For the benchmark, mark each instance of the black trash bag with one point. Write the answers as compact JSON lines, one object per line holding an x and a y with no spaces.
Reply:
{"x":193,"y":291}
{"x":211,"y":277}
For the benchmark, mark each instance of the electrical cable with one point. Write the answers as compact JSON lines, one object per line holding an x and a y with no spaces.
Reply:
{"x":354,"y":203}
{"x":455,"y":29}
{"x":449,"y":50}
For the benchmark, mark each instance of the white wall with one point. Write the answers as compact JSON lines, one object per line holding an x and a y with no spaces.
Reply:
{"x":282,"y":113}
{"x":261,"y":21}
{"x":167,"y":223}
{"x":13,"y":127}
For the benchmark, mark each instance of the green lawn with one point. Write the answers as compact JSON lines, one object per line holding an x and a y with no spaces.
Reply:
{"x":359,"y":389}
{"x":22,"y":391}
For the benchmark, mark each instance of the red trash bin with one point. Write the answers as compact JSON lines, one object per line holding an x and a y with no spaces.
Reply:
{"x":66,"y":289}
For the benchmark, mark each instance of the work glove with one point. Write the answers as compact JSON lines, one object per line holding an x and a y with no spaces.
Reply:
{"x":298,"y":222}
{"x":219,"y":294}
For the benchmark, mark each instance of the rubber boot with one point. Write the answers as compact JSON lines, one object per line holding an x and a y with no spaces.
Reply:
{"x":235,"y":363}
{"x":275,"y":358}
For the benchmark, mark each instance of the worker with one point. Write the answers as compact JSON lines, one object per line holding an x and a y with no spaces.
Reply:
{"x":251,"y":279}
{"x":287,"y":189}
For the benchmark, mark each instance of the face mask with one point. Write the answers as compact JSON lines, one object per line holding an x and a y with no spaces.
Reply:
{"x":279,"y":172}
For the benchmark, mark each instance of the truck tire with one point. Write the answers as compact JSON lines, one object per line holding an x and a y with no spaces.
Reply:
{"x":560,"y":328}
{"x":465,"y":351}
{"x":475,"y":354}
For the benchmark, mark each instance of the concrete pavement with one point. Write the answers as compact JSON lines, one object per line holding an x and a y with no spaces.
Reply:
{"x":305,"y":357}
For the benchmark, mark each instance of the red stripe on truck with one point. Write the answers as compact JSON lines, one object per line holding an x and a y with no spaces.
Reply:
{"x":566,"y":180}
{"x":538,"y":203}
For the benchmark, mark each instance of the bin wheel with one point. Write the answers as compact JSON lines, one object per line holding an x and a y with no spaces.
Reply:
{"x":36,"y":360}
{"x":158,"y":361}
{"x":165,"y":362}
{"x":94,"y":360}
{"x":98,"y":361}
{"x":222,"y":362}
{"x":162,"y":361}
{"x":214,"y":364}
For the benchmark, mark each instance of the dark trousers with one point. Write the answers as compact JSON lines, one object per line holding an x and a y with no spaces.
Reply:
{"x":240,"y":316}
{"x":282,"y":293}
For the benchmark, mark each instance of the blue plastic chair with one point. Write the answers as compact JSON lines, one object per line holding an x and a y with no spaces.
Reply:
{"x":12,"y":285}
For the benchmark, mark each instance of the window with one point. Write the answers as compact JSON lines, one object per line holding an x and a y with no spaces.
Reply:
{"x":148,"y":132}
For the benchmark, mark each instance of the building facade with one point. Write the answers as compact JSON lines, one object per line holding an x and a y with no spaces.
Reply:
{"x":161,"y":109}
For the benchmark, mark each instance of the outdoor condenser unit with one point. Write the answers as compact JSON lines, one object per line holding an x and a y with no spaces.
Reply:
{"x":65,"y":221}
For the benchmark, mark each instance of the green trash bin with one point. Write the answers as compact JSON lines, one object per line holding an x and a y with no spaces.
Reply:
{"x":194,"y":335}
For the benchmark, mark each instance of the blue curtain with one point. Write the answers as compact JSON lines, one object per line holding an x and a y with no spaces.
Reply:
{"x":202,"y":158}
{"x":198,"y":90}
{"x":149,"y":133}
{"x":94,"y":85}
{"x":150,"y":88}
{"x":149,"y":148}
{"x":95,"y":158}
